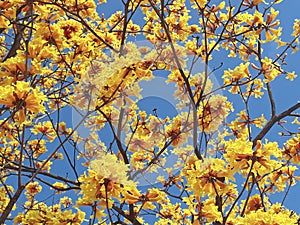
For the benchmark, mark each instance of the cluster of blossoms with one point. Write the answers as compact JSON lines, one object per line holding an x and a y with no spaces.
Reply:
{"x":63,"y":55}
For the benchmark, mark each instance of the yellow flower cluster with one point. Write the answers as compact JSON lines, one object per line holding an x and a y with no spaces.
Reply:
{"x":4,"y":197}
{"x":57,"y":55}
{"x":39,"y":213}
{"x":105,"y":180}
{"x":25,"y":101}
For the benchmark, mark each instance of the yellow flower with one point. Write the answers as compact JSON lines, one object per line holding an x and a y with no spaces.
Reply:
{"x":255,"y":203}
{"x":109,"y":167}
{"x":210,"y":210}
{"x":271,"y":32}
{"x":46,"y":129}
{"x":292,"y":149}
{"x":106,"y":180}
{"x":58,"y":186}
{"x":206,"y":178}
{"x":22,"y":98}
{"x":233,"y":76}
{"x":213,"y":112}
{"x":291,"y":76}
{"x":65,"y":201}
{"x":296,"y":28}
{"x":201,"y":3}
{"x":4,"y":198}
{"x":269,"y":70}
{"x":38,"y":147}
{"x":33,"y":188}
{"x":272,"y":215}
{"x":133,"y":195}
{"x":174,"y":132}
{"x":46,"y":167}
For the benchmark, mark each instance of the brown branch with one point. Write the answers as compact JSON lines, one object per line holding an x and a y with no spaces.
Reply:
{"x":248,"y":195}
{"x":121,"y":212}
{"x":118,"y":141}
{"x":33,"y":170}
{"x":19,"y":31}
{"x":11,"y":203}
{"x":272,"y":121}
{"x":241,"y":193}
{"x":184,"y":77}
{"x":272,"y":102}
{"x":124,"y":27}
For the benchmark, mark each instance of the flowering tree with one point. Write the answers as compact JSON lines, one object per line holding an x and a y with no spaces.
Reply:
{"x":60,"y":56}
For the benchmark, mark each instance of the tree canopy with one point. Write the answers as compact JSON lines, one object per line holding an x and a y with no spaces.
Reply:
{"x":70,"y":65}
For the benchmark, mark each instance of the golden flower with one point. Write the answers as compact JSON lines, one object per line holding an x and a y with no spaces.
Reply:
{"x":133,"y":195}
{"x":22,"y":98}
{"x":109,"y":167}
{"x":33,"y":188}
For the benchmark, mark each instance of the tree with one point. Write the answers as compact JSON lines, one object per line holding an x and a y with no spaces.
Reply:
{"x":64,"y":55}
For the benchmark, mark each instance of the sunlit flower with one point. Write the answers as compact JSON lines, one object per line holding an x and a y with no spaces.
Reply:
{"x":33,"y":188}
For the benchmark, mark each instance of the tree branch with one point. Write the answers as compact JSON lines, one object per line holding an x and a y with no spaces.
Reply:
{"x":273,"y":120}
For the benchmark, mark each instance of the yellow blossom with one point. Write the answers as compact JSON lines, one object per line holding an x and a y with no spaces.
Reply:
{"x":33,"y":188}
